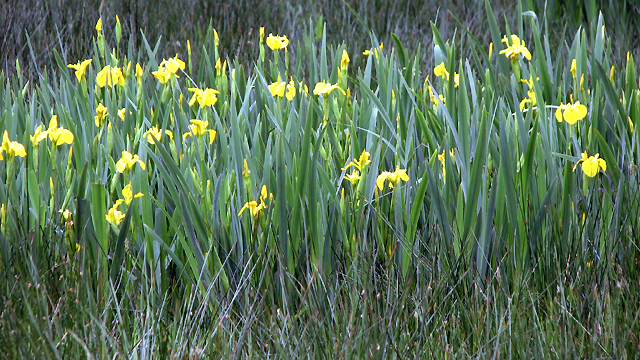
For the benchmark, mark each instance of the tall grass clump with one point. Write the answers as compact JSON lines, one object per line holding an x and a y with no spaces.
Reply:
{"x":479,"y":205}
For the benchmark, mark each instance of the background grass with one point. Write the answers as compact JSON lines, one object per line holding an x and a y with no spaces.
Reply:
{"x":67,"y":25}
{"x":557,"y":279}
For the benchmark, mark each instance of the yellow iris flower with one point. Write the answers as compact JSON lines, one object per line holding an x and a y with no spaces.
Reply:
{"x":516,"y":48}
{"x":114,"y":215}
{"x":282,"y":89}
{"x":128,"y":161}
{"x":167,"y":69}
{"x":571,"y":112}
{"x":441,"y":70}
{"x":393,"y":177}
{"x":101,"y":112}
{"x":591,"y":165}
{"x":173,"y":64}
{"x":361,"y":162}
{"x":162,"y":75}
{"x":323,"y":88}
{"x":199,"y":128}
{"x":38,"y":136}
{"x":155,"y":134}
{"x":254,"y":207}
{"x":530,"y":93}
{"x":353,"y":177}
{"x":110,"y":75}
{"x":277,"y":42}
{"x":12,"y":148}
{"x":80,"y":68}
{"x":57,"y":135}
{"x":204,"y":97}
{"x":375,"y":50}
{"x":128,"y":196}
{"x":434,"y":99}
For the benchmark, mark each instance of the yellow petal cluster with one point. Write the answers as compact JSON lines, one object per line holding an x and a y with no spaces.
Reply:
{"x":99,"y":26}
{"x":110,"y":75}
{"x":204,"y":97}
{"x":198,"y":128}
{"x":434,"y":99}
{"x":101,"y":112}
{"x":392,"y":177}
{"x":38,"y":136}
{"x":282,"y":89}
{"x":531,"y":100}
{"x":155,"y":134}
{"x":11,"y":148}
{"x":344,"y":62}
{"x":361,"y":162}
{"x":516,"y":48}
{"x":254,"y":207}
{"x":591,"y":165}
{"x":167,"y":69}
{"x":571,"y":112}
{"x":323,"y":88}
{"x":353,"y":177}
{"x":221,"y":68}
{"x":173,"y":64}
{"x":441,"y":158}
{"x":114,"y":215}
{"x":57,"y":135}
{"x":121,"y":113}
{"x":441,"y":71}
{"x":80,"y":68}
{"x":127,"y":194}
{"x":139,"y":71}
{"x":128,"y":161}
{"x":162,"y":75}
{"x":277,"y":42}
{"x":375,"y":50}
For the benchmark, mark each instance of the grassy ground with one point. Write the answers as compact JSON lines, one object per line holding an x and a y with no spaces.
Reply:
{"x":507,"y":248}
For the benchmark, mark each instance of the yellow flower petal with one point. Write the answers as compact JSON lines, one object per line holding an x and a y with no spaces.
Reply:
{"x":575,"y":112}
{"x":344,"y":62}
{"x":353,"y":177}
{"x":139,"y":71}
{"x":441,"y":70}
{"x":277,"y":42}
{"x":381,"y":179}
{"x":323,"y":88}
{"x":80,"y":68}
{"x":121,"y":113}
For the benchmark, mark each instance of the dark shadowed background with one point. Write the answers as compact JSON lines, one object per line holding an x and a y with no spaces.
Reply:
{"x":68,"y":25}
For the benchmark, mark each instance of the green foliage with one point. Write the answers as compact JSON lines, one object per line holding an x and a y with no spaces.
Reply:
{"x":174,"y":227}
